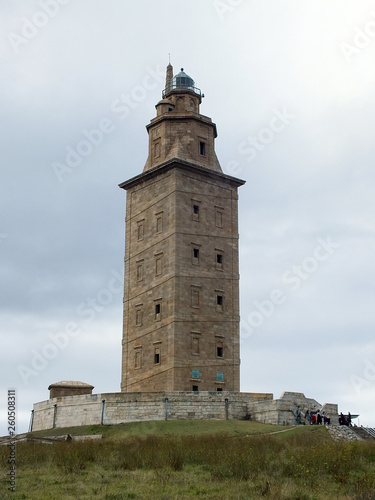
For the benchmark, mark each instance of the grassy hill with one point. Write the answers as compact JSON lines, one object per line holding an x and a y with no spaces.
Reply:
{"x":170,"y":427}
{"x":193,"y":459}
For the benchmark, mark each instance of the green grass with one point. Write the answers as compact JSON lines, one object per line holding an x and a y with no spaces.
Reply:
{"x":171,"y":427}
{"x":194,"y":459}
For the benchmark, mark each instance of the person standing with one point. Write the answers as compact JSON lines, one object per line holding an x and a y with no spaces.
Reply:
{"x":308,"y":416}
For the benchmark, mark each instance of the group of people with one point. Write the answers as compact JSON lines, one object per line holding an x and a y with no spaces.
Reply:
{"x":345,"y":419}
{"x":317,"y":418}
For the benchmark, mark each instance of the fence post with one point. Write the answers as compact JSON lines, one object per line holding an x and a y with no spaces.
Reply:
{"x":102,"y":417}
{"x":54,"y":416}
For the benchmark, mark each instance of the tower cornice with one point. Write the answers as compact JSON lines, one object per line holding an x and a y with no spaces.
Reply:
{"x":183,"y":116}
{"x":184,"y":165}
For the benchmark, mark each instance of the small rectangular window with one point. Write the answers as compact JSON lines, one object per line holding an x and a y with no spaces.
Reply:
{"x":219,"y":261}
{"x":157,"y":356}
{"x":219,"y":377}
{"x":202,"y":148}
{"x":219,"y":302}
{"x":195,"y":255}
{"x":195,"y":345}
{"x":219,"y":389}
{"x":219,"y":351}
{"x":157,"y":312}
{"x":138,"y":316}
{"x":140,"y":271}
{"x":194,"y":388}
{"x":157,"y":149}
{"x":137,"y":358}
{"x":195,"y":210}
{"x":194,"y":297}
{"x":219,"y":218}
{"x":195,"y":374}
{"x":159,"y":223}
{"x":159,"y":265}
{"x":140,"y":231}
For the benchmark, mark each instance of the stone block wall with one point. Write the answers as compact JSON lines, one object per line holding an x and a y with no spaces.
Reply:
{"x":116,"y":408}
{"x":69,"y":388}
{"x":283,"y":411}
{"x":181,"y":295}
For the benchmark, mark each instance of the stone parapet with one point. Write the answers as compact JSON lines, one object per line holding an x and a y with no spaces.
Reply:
{"x":120,"y":407}
{"x":116,"y":408}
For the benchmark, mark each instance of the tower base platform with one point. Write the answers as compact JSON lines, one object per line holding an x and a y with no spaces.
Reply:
{"x":119,"y":407}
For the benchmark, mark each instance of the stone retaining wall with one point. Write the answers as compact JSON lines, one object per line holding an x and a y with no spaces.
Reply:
{"x":116,"y":408}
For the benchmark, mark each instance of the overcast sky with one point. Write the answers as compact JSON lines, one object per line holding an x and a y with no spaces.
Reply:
{"x":290,"y":85}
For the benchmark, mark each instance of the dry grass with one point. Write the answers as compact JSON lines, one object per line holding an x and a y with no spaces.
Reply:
{"x":302,"y":464}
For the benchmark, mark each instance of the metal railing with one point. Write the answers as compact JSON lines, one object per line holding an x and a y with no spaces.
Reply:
{"x":180,"y":88}
{"x":369,"y":430}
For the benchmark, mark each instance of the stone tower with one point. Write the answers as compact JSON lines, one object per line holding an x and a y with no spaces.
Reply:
{"x":181,"y":296}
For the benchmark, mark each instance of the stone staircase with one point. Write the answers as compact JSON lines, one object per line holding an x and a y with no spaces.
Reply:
{"x":366,"y":433}
{"x":370,"y":431}
{"x":345,"y":433}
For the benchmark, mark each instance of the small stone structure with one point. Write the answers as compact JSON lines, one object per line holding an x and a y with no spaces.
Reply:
{"x":69,"y":388}
{"x":116,"y":408}
{"x":283,"y":411}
